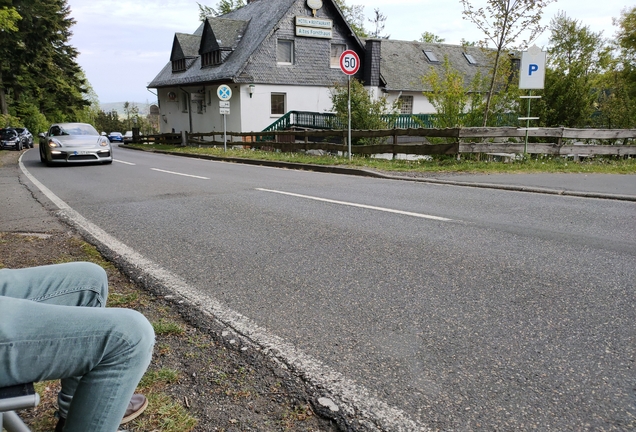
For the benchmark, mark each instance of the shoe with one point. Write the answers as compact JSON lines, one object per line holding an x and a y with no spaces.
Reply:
{"x":138,"y":404}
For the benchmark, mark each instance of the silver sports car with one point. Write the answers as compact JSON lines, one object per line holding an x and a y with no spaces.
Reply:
{"x":74,"y":143}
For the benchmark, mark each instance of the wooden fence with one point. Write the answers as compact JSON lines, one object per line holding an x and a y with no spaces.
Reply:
{"x":503,"y":140}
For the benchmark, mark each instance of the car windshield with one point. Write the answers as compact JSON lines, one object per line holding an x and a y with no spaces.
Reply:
{"x":73,"y":129}
{"x":8,"y":133}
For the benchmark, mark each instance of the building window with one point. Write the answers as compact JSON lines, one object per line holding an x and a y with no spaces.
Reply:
{"x":184,"y":101}
{"x":285,"y":52}
{"x":470,"y":59}
{"x":336,"y":52}
{"x":178,"y":65}
{"x":431,"y":57}
{"x":406,"y":104}
{"x":278,"y":103}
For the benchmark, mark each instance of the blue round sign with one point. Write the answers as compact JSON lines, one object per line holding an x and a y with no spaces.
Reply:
{"x":224,"y":92}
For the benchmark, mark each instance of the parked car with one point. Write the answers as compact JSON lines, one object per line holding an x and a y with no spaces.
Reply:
{"x":128,"y":137}
{"x":27,"y":137}
{"x":116,"y":137}
{"x":74,"y":143}
{"x":11,"y":139}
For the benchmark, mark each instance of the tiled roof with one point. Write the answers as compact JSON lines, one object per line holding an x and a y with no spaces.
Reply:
{"x":403,"y":63}
{"x":186,"y":46}
{"x":260,"y":16}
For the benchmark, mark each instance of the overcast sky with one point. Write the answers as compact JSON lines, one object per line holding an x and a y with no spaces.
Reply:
{"x":123,"y":44}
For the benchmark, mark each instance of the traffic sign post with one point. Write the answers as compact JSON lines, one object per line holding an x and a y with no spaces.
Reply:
{"x":224,"y":92}
{"x":349,"y":63}
{"x":531,"y":76}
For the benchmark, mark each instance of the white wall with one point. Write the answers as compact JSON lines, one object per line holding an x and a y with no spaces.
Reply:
{"x":421,"y":104}
{"x":252,"y":114}
{"x":256,"y":114}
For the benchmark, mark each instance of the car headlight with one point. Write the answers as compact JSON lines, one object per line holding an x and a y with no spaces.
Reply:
{"x":103,"y":142}
{"x":54,"y":143}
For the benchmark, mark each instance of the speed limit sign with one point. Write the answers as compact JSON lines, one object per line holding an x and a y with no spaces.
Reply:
{"x":349,"y":62}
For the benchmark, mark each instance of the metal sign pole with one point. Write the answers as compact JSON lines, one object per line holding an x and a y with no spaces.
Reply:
{"x":224,"y":133}
{"x":349,"y":116}
{"x":525,"y":147}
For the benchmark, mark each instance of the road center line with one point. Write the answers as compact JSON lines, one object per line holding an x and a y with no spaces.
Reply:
{"x":181,"y":174}
{"x":124,"y":162}
{"x":420,"y":215}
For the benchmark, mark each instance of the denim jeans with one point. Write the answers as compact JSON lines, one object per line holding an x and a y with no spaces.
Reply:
{"x":99,"y":354}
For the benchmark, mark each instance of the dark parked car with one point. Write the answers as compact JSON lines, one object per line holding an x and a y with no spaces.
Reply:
{"x":74,"y":143}
{"x":116,"y":137}
{"x":11,"y":139}
{"x":27,"y":137}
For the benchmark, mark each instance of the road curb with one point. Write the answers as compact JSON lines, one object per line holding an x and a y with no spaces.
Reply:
{"x":367,"y":173}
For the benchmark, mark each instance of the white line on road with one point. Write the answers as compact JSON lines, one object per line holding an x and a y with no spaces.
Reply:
{"x":124,"y":162}
{"x":356,"y":400}
{"x":180,"y":174}
{"x":420,"y":215}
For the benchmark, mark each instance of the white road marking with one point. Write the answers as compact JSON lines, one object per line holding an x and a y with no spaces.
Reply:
{"x":124,"y":162}
{"x":354,"y":399}
{"x":180,"y":174}
{"x":388,"y":210}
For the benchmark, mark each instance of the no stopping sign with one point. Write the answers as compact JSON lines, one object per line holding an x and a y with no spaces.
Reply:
{"x":349,"y":62}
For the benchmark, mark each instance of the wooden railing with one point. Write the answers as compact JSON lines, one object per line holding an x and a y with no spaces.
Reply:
{"x":554,"y":141}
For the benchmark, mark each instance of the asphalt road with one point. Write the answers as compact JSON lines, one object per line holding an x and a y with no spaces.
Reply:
{"x":464,"y":308}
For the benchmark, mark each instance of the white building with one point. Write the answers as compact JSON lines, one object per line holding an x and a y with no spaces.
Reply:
{"x":281,"y":55}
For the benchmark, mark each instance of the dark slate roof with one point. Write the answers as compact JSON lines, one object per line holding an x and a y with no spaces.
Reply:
{"x":403,"y":63}
{"x":185,"y":46}
{"x":228,"y":32}
{"x":261,"y":17}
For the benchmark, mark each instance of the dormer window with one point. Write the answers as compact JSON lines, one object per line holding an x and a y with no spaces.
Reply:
{"x":470,"y":59}
{"x":211,"y":58}
{"x":179,"y":65}
{"x":431,"y":57}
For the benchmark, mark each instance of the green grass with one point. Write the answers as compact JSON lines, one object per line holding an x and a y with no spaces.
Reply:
{"x":164,"y":327}
{"x":163,"y":412}
{"x":440,"y":164}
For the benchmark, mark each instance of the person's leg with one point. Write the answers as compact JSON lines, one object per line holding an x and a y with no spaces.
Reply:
{"x":109,"y":348}
{"x":70,"y":284}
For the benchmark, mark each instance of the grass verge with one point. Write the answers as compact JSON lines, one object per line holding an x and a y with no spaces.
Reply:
{"x":441,"y":164}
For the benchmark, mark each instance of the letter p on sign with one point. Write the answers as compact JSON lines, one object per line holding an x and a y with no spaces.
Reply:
{"x":532,"y":72}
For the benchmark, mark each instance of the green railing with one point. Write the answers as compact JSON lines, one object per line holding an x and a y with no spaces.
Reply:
{"x":314,"y":120}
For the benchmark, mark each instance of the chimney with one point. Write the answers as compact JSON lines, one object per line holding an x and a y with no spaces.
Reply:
{"x":371,"y":74}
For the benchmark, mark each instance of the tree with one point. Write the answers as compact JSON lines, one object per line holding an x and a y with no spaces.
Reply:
{"x":366,"y":113}
{"x":378,"y":21}
{"x":429,"y":37}
{"x":8,"y":19}
{"x":617,"y":100}
{"x":503,"y":22}
{"x":575,"y":57}
{"x":354,"y":16}
{"x":42,"y":71}
{"x":447,"y":94}
{"x":222,"y":8}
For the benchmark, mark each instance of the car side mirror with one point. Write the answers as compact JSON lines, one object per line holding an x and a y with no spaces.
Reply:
{"x":103,"y":134}
{"x":41,"y":135}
